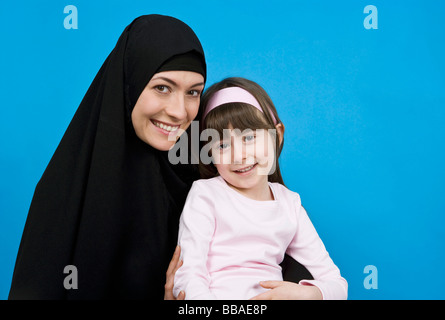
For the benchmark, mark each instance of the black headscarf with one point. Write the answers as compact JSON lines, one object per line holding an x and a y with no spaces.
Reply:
{"x":108,"y":203}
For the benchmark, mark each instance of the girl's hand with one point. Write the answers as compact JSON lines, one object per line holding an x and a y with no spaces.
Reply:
{"x":285,"y":290}
{"x":174,"y":265}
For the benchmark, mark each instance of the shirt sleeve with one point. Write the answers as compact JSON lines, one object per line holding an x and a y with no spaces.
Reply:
{"x":196,"y":229}
{"x":308,"y":249}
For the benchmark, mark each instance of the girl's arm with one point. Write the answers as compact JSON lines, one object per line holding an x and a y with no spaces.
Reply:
{"x":309,"y":250}
{"x":196,"y":228}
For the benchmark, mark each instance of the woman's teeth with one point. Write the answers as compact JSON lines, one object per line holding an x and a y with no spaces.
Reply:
{"x":246,"y":169}
{"x":165,"y":127}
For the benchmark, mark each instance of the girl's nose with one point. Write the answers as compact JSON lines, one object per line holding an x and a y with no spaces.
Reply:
{"x":238,"y":151}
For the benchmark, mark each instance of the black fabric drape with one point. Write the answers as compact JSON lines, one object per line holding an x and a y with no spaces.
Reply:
{"x":108,"y":203}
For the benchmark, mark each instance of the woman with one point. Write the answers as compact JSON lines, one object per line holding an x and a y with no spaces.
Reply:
{"x":109,"y":201}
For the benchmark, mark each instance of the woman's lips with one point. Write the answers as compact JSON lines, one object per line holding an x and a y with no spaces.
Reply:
{"x":165,"y":127}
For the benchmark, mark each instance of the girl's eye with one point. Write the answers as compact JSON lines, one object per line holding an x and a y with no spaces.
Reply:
{"x":162,"y":89}
{"x":223,"y":146}
{"x":249,"y":138}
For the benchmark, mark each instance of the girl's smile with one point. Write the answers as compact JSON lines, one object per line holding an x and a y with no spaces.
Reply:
{"x":246,"y":170}
{"x":241,"y":161}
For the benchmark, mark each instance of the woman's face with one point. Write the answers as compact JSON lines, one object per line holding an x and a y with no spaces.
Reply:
{"x":166,"y":107}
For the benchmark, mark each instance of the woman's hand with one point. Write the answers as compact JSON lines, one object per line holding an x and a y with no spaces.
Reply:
{"x":285,"y":290}
{"x":174,"y":265}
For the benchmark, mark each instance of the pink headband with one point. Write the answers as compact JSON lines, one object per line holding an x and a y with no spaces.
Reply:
{"x":233,"y":94}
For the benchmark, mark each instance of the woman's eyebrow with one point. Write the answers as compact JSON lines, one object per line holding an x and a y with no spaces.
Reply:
{"x":166,"y":79}
{"x":175,"y":84}
{"x":198,"y":84}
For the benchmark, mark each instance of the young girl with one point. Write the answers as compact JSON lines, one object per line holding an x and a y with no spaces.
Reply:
{"x":238,"y":224}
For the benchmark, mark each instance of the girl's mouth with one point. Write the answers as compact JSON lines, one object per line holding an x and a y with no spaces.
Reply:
{"x":246,"y":170}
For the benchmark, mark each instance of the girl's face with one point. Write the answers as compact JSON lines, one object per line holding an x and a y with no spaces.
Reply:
{"x":166,"y":107}
{"x":244,"y":159}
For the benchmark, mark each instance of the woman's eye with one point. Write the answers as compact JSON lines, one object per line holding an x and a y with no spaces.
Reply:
{"x":194,"y":93}
{"x":163,"y":89}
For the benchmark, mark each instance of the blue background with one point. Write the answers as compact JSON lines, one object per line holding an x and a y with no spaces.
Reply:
{"x":364,"y":112}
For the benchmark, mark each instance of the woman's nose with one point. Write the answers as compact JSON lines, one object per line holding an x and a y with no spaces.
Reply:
{"x":177,"y":108}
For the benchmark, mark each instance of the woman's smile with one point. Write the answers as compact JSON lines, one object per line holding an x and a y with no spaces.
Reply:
{"x":172,"y":96}
{"x":166,"y":128}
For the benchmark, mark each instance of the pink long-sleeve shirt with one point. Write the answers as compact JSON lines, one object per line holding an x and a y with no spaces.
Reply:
{"x":229,"y":243}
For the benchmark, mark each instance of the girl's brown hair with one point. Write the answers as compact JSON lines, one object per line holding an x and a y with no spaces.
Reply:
{"x":240,"y":116}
